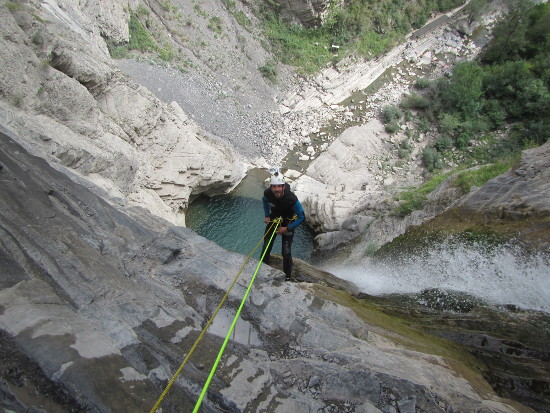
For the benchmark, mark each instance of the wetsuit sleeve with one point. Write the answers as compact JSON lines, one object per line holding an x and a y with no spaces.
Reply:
{"x":267,"y":210}
{"x":299,"y":211}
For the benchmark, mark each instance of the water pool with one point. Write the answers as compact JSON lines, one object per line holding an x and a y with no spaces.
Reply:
{"x":236,"y":221}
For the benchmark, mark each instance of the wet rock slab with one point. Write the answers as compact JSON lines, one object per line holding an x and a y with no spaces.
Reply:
{"x":101,"y":303}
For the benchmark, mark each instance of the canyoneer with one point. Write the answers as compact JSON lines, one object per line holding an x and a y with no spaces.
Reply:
{"x":280,"y":202}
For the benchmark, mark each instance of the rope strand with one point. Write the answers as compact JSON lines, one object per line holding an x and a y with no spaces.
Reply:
{"x":222,"y":349}
{"x":210,"y":321}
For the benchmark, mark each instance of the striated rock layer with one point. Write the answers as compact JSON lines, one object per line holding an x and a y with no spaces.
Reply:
{"x":76,"y":108}
{"x":98,"y":307}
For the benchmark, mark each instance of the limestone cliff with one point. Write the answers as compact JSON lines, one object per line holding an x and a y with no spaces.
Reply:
{"x":350,"y":183}
{"x":62,"y":91}
{"x":98,"y":307}
{"x":100,"y":299}
{"x":345,"y":205}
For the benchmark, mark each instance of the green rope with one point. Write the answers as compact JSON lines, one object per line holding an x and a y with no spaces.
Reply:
{"x":203,"y":332}
{"x":222,"y":349}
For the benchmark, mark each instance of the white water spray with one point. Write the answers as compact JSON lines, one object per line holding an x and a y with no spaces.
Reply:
{"x":500,"y":276}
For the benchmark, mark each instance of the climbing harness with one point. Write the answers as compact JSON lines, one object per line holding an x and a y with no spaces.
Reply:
{"x":275,"y":223}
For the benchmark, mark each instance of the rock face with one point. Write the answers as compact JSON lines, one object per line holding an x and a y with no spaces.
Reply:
{"x":342,"y":190}
{"x":343,"y":177}
{"x":513,"y":206}
{"x":97,"y":302}
{"x":114,"y":132}
{"x":349,"y":188}
{"x":517,"y":194}
{"x":306,"y":12}
{"x":344,"y":199}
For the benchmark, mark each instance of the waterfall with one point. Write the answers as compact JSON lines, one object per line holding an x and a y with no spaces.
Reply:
{"x":499,"y":275}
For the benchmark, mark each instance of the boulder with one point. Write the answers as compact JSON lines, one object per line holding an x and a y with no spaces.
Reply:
{"x":521,"y":192}
{"x":341,"y":186}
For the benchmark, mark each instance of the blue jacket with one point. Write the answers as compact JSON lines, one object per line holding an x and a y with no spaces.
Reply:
{"x":286,"y":207}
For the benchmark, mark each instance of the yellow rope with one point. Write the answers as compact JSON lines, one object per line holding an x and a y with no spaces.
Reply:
{"x":203,"y":332}
{"x":222,"y":349}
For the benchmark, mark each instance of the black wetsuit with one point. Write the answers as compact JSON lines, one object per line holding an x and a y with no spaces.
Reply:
{"x":289,"y":208}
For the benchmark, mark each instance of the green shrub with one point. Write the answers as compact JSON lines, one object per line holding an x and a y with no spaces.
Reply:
{"x":391,"y":113}
{"x":359,"y":27}
{"x":17,"y":101}
{"x":463,"y":139}
{"x":140,"y":39}
{"x":415,"y":101}
{"x":464,"y":92}
{"x":392,"y":127}
{"x":410,"y":204}
{"x":242,"y":19}
{"x":306,"y":49}
{"x":141,"y":11}
{"x":519,"y":91}
{"x":443,"y":143}
{"x":422,"y":83}
{"x":521,"y":35}
{"x":372,"y":43}
{"x":431,"y":159}
{"x":415,"y":199}
{"x":200,"y":11}
{"x":449,"y":123}
{"x":269,"y":71}
{"x":167,"y":53}
{"x":13,"y":6}
{"x":215,"y":24}
{"x":494,"y":112}
{"x":117,"y":51}
{"x":531,"y":133}
{"x":37,"y":38}
{"x":403,"y":153}
{"x":423,"y":125}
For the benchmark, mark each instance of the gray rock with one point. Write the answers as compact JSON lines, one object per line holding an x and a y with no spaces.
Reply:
{"x":103,"y":301}
{"x":100,"y":298}
{"x":407,"y":405}
{"x":314,"y":381}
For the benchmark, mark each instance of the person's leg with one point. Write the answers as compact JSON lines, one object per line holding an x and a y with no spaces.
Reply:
{"x":287,"y":238}
{"x":268,"y":245}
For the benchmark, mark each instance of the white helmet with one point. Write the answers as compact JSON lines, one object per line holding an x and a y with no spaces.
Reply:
{"x":277,"y":177}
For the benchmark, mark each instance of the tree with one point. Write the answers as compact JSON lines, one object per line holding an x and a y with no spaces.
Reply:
{"x":391,"y":113}
{"x":522,"y":34}
{"x":431,"y":159}
{"x":518,"y":89}
{"x":464,"y":92}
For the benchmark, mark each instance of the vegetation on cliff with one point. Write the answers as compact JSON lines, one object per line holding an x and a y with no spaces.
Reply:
{"x":357,"y":27}
{"x":486,"y":111}
{"x":506,"y":90}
